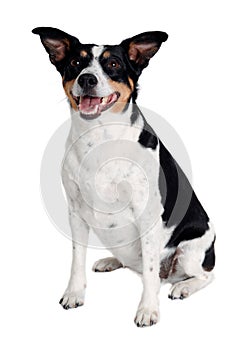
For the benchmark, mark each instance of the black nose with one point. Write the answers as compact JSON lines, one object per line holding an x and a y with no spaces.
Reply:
{"x":87,"y":81}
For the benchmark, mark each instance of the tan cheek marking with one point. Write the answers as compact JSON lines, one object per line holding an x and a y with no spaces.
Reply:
{"x":125,"y":93}
{"x":131,"y":83}
{"x":83,"y":53}
{"x":67,"y":87}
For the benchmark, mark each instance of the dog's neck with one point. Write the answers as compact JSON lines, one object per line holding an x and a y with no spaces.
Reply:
{"x":126,"y":121}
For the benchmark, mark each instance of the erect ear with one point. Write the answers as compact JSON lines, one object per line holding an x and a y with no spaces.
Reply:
{"x":140,"y":48}
{"x":57,"y":43}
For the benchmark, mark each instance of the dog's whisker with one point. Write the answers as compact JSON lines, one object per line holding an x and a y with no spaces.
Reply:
{"x":62,"y":100}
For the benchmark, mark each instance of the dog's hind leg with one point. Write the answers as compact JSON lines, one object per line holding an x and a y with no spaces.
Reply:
{"x":196,"y":260}
{"x":106,"y":265}
{"x":184,"y":289}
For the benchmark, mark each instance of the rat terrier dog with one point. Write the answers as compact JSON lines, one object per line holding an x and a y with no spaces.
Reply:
{"x":160,"y":229}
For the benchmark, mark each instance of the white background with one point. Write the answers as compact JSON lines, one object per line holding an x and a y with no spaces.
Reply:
{"x":189,"y":83}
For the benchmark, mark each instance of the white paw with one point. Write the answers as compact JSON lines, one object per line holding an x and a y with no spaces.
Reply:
{"x":106,"y":265}
{"x":72,"y":300}
{"x":146,"y":316}
{"x":179,"y":291}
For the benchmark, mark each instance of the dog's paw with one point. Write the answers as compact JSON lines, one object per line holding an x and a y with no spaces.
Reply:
{"x":146,"y":316}
{"x":106,"y":265}
{"x":71,"y":300}
{"x":179,"y":291}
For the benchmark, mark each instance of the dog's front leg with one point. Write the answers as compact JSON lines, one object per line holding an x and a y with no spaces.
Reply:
{"x":75,"y":291}
{"x":148,"y":309}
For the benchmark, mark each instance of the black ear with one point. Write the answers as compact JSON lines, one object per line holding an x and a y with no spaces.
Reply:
{"x":57,"y":43}
{"x":140,"y":48}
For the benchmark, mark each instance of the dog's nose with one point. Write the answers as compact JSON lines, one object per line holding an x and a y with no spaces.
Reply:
{"x":87,"y":81}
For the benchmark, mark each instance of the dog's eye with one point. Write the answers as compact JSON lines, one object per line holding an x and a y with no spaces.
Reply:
{"x":113,"y":64}
{"x":75,"y":63}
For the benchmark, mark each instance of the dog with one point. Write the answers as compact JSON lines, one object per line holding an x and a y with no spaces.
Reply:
{"x":162,"y":233}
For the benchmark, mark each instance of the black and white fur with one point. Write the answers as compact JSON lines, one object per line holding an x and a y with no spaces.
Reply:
{"x":101,"y":85}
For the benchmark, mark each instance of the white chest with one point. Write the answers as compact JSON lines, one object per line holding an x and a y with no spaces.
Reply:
{"x":110,"y":179}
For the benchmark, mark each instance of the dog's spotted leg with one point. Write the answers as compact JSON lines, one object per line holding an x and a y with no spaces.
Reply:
{"x":75,"y":291}
{"x":148,"y":309}
{"x":106,"y":265}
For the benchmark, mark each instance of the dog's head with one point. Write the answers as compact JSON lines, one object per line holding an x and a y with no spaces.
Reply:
{"x":96,"y":77}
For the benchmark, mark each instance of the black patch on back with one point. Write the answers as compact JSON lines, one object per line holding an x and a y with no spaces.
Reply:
{"x":181,"y":205}
{"x":209,"y":260}
{"x":182,"y":208}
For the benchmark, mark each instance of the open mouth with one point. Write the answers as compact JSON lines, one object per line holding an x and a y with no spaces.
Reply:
{"x":91,"y":106}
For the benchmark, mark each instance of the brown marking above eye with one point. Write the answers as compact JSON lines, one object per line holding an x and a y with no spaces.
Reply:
{"x":68,"y":87}
{"x":106,"y":54}
{"x":76,"y":62}
{"x":83,"y":53}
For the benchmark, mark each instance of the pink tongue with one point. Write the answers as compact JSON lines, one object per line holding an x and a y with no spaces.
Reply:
{"x":88,"y":102}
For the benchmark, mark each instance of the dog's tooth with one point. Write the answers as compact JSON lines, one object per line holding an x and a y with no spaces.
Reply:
{"x":104,"y":100}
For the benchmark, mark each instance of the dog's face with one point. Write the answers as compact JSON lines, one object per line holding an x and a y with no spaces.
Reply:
{"x":99,"y":78}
